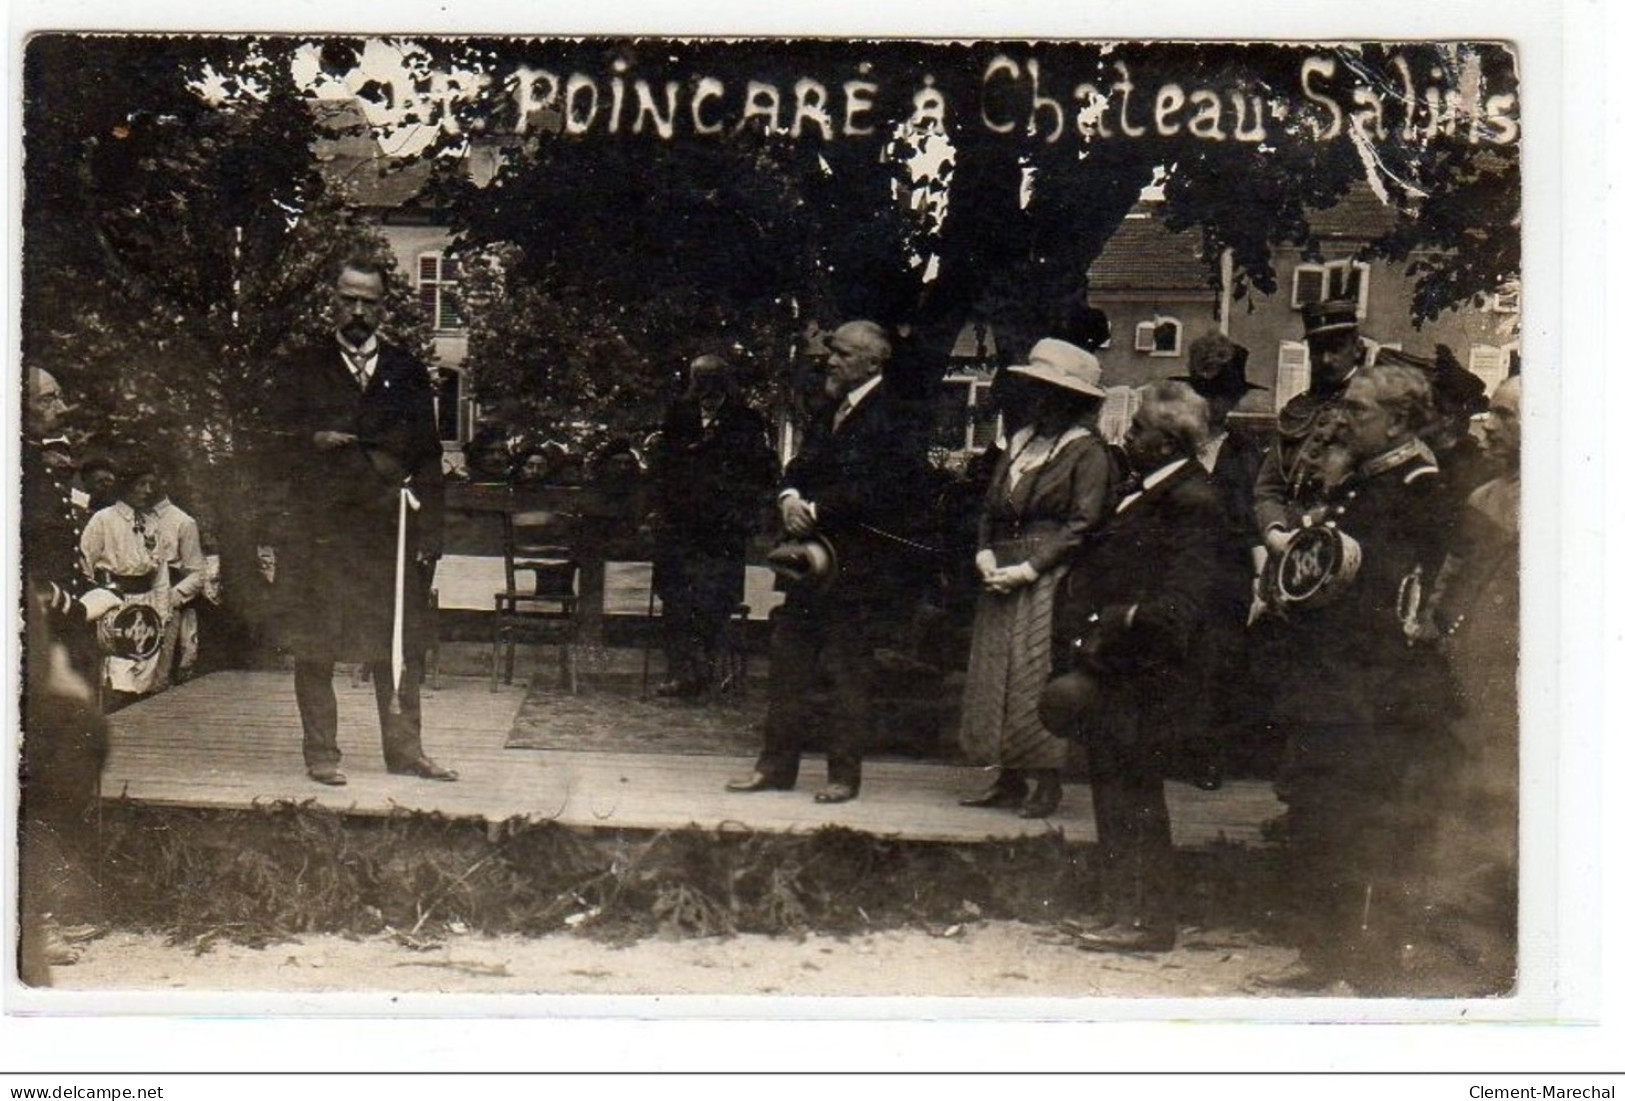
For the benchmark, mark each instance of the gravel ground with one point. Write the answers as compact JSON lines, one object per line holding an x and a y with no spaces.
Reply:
{"x":983,"y":959}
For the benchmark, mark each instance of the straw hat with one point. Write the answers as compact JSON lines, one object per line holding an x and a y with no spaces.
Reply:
{"x":1064,"y":365}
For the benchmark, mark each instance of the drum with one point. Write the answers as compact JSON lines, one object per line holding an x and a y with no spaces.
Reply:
{"x":132,"y":631}
{"x":1318,"y":564}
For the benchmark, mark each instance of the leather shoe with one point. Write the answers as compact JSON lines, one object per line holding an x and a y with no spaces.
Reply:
{"x":1007,"y":790}
{"x":756,"y":781}
{"x":327,"y":774}
{"x":1300,"y":980}
{"x":426,"y":769}
{"x":836,"y":793}
{"x":1077,"y":927}
{"x":1045,"y":797}
{"x":1126,"y":937}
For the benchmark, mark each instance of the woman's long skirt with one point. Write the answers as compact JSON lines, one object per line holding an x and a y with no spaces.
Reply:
{"x":1009,"y":666}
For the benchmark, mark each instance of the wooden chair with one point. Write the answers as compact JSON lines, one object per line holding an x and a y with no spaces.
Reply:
{"x":541,"y":600}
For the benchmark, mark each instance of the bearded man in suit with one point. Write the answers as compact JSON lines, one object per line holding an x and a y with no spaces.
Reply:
{"x":357,"y":419}
{"x":860,"y":482}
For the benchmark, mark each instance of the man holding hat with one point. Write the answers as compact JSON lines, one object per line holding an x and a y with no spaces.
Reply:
{"x":859,"y":482}
{"x":1130,"y":623}
{"x":1303,"y":458}
{"x":358,"y":423}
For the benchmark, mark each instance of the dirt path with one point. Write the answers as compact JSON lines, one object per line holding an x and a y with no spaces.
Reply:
{"x":992,"y":959}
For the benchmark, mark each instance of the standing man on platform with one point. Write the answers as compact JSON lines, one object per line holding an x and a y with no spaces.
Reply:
{"x":714,"y":472}
{"x":859,"y":482}
{"x":358,"y":421}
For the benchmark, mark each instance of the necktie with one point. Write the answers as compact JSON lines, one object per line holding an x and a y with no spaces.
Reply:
{"x":360,"y":366}
{"x":842,"y":413}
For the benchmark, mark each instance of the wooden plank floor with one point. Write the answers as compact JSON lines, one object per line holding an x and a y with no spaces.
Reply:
{"x":231,"y":740}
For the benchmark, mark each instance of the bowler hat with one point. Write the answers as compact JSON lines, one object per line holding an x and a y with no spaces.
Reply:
{"x":1325,"y":318}
{"x":1065,"y":365}
{"x":1218,"y":367}
{"x":1067,"y":702}
{"x":807,"y":562}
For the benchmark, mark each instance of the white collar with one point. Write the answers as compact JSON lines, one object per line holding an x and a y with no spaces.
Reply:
{"x":858,"y":393}
{"x":366,"y":350}
{"x":1024,"y":434}
{"x":1161,"y":474}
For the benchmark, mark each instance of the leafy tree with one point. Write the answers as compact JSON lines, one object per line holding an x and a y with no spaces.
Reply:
{"x":174,"y":247}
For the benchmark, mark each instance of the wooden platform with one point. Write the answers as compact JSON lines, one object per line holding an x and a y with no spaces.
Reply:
{"x":231,"y":740}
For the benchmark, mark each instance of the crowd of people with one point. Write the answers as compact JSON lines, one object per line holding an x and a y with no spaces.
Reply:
{"x":1353,"y":578}
{"x":1350,"y":582}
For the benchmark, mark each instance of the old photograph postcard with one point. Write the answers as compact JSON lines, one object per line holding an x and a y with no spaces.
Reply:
{"x":802,"y":519}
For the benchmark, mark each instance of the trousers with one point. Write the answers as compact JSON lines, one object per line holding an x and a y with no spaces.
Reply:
{"x":319,"y":711}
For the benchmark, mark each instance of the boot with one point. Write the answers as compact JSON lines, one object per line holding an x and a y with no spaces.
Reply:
{"x":1008,"y":789}
{"x":1045,"y":796}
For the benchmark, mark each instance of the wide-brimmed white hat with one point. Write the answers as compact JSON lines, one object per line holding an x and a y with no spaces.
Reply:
{"x":1065,"y":365}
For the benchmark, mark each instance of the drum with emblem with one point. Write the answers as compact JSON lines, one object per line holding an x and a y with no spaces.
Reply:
{"x":1318,"y":564}
{"x":133,"y":632}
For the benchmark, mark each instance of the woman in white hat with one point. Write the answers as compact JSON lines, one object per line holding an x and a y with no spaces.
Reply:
{"x":1054,"y":483}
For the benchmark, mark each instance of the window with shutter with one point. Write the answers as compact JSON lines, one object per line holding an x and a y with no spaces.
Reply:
{"x":437,"y":291}
{"x":1291,"y":372}
{"x":1116,"y":412}
{"x":1489,"y":363}
{"x":1308,"y":285}
{"x":1158,"y":337}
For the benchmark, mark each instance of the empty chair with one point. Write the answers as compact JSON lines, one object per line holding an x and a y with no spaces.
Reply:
{"x":541,"y":600}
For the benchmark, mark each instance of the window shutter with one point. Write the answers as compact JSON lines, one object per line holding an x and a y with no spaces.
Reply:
{"x":1165,"y":338}
{"x":1308,"y":285}
{"x":1116,"y":413}
{"x":1489,"y":363}
{"x":1145,"y":336}
{"x":428,"y":268}
{"x":1291,"y":372}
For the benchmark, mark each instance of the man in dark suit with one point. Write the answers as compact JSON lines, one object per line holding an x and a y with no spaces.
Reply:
{"x":859,"y":481}
{"x":64,"y":738}
{"x":1218,"y":372}
{"x":1365,"y":693}
{"x":358,"y":422}
{"x":1132,"y":618}
{"x":714,"y":471}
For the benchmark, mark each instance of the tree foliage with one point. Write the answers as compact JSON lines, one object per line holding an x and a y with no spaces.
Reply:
{"x":174,"y":247}
{"x":175,"y":242}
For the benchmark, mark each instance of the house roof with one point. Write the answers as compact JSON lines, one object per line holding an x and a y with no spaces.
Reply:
{"x":351,"y":158}
{"x":1359,"y":214}
{"x":1143,"y":255}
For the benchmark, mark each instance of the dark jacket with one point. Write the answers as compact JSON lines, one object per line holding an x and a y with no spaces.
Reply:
{"x":869,"y":483}
{"x":337,"y":530}
{"x":51,"y":527}
{"x":1287,"y":483}
{"x":1160,"y":555}
{"x":1235,"y":476}
{"x":1351,"y":667}
{"x":711,"y":482}
{"x":1051,"y":508}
